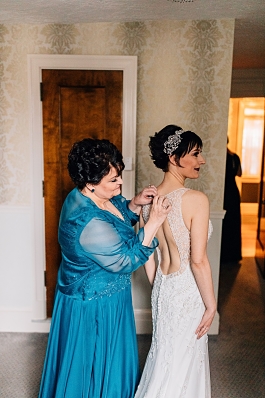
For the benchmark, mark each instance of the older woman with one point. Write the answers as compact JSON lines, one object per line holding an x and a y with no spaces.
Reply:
{"x":92,"y":349}
{"x":183,"y":302}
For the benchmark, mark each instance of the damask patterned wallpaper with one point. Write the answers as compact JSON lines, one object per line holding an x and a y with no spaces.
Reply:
{"x":184,"y":76}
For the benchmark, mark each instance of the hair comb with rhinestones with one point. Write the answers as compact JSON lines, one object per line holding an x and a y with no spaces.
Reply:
{"x":173,"y":142}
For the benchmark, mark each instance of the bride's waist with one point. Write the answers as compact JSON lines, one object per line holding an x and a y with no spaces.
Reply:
{"x":170,"y":268}
{"x":176,"y":283}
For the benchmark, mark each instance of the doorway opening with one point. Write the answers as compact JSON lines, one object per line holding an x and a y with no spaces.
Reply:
{"x":246,"y":135}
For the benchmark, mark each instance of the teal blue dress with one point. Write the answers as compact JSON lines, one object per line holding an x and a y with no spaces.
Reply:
{"x":92,"y":347}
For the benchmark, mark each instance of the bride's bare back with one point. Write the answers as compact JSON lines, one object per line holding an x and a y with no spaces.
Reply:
{"x":170,"y":235}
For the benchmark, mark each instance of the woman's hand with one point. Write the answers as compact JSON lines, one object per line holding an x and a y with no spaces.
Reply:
{"x":158,"y":213}
{"x":205,"y":323}
{"x":145,"y":197}
{"x":160,"y":209}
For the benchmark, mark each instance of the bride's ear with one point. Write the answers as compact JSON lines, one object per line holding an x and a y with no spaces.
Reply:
{"x":172,"y":160}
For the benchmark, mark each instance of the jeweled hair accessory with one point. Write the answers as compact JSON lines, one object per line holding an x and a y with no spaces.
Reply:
{"x":172,"y":142}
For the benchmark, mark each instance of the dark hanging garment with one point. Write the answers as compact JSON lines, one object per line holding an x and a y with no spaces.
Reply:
{"x":231,"y":232}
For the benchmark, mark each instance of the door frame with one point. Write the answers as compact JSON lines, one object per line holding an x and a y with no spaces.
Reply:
{"x":128,"y":64}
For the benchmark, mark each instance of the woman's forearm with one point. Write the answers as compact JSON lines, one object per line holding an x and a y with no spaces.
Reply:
{"x":150,"y":269}
{"x":134,"y":207}
{"x":150,"y":229}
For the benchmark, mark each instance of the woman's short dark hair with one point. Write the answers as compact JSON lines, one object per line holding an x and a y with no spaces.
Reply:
{"x":189,"y":140}
{"x":91,"y":159}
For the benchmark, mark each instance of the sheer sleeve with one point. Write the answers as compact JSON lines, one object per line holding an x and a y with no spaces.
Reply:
{"x":103,"y":244}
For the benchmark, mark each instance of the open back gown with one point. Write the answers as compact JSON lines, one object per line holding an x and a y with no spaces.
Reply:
{"x":177,"y":365}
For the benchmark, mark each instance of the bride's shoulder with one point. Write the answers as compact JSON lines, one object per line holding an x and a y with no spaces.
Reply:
{"x":195,"y":198}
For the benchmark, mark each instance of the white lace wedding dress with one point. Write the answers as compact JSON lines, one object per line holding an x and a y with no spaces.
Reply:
{"x":177,"y":364}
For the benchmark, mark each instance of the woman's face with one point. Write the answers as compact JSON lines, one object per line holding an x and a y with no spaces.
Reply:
{"x":191,"y":163}
{"x":109,"y":186}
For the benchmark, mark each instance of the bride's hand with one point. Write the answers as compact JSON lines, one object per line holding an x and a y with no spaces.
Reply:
{"x":205,"y":323}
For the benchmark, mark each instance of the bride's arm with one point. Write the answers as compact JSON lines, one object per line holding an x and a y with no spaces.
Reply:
{"x":198,"y":206}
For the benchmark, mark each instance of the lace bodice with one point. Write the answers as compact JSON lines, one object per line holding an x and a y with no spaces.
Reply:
{"x":180,"y":232}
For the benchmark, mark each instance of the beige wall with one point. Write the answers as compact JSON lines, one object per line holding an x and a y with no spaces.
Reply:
{"x":184,"y":74}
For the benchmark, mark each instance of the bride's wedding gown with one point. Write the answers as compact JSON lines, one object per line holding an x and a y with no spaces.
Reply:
{"x":177,"y":364}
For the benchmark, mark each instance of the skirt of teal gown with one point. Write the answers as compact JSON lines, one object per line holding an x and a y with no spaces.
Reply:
{"x":92,"y":349}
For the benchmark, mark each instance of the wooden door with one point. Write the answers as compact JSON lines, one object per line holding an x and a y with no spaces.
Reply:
{"x":260,"y":241}
{"x":76,"y":105}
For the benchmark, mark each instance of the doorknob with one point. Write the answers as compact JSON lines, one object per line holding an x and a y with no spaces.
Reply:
{"x":263,"y":202}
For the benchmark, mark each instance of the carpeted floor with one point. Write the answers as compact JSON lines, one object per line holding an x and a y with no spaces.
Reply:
{"x":237,"y":354}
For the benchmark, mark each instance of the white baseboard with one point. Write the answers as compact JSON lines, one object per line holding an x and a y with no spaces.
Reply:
{"x":143,"y":320}
{"x":20,"y":321}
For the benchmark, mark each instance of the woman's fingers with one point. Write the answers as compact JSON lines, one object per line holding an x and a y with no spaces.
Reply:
{"x":150,"y":194}
{"x":161,"y":206}
{"x":163,"y":202}
{"x":150,"y":191}
{"x":146,"y":196}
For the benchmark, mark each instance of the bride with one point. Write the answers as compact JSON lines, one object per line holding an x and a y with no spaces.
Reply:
{"x":183,"y":301}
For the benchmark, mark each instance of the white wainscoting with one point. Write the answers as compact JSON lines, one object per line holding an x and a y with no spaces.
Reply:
{"x":17,"y":270}
{"x":17,"y":282}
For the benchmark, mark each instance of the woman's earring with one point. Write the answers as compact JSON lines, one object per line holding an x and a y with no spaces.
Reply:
{"x":91,"y":190}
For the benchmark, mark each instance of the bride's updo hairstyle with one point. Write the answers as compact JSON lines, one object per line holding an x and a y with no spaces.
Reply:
{"x":91,"y":159}
{"x":172,"y":141}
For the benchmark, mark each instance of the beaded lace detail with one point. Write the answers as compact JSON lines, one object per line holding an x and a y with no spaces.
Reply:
{"x":180,"y":232}
{"x":177,"y":361}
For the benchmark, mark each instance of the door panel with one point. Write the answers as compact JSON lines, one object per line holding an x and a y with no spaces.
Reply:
{"x":76,"y":105}
{"x":82,"y":115}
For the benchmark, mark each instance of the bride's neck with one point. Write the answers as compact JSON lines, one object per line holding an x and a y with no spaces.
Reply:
{"x":174,"y":178}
